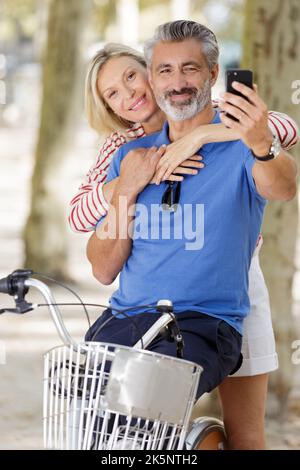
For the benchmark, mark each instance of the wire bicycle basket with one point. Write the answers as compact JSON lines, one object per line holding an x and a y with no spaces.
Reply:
{"x":106,"y":397}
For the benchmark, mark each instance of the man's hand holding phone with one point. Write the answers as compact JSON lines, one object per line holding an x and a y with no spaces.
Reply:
{"x":251,"y":114}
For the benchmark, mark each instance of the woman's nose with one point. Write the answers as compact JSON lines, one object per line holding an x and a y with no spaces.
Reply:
{"x":129,"y":92}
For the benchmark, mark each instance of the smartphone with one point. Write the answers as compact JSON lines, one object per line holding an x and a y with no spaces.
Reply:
{"x":238,"y":75}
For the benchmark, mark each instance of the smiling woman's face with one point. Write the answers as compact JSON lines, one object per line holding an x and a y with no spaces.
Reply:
{"x":123,"y":84}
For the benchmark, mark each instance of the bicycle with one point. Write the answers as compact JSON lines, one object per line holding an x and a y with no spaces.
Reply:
{"x":98,"y":395}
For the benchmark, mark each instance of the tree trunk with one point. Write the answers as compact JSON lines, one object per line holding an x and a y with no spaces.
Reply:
{"x":45,"y":231}
{"x":272,"y":51}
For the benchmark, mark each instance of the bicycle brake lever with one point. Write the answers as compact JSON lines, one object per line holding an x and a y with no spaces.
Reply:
{"x":22,"y":307}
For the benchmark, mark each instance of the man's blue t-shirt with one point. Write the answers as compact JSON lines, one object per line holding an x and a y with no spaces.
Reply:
{"x":198,"y":256}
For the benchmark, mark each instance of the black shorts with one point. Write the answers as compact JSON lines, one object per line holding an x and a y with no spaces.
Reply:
{"x":209,"y":342}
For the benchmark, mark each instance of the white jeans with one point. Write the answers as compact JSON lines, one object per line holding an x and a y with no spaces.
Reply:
{"x":258,"y":347}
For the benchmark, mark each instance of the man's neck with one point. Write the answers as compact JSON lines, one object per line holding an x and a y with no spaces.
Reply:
{"x":178,"y":129}
{"x":154,"y":123}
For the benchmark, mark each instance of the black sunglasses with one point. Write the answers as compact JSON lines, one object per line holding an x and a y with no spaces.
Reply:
{"x":171,"y":196}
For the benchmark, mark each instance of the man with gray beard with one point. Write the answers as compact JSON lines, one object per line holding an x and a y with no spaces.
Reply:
{"x":187,"y":108}
{"x":209,"y":285}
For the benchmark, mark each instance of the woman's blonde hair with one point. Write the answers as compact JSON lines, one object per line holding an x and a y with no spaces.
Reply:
{"x":100,"y":116}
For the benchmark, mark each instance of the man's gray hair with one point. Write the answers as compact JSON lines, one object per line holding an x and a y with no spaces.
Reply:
{"x":182,"y":30}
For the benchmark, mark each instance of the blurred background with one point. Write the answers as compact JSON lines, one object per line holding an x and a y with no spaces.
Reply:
{"x":46,"y":147}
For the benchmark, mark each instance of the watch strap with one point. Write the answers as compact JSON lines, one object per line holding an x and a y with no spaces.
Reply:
{"x":265,"y":158}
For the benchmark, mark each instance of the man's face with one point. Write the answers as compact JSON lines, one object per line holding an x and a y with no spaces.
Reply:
{"x":180,"y":78}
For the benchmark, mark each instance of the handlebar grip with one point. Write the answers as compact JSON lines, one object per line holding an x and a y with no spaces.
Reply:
{"x":9,"y":284}
{"x":5,"y":285}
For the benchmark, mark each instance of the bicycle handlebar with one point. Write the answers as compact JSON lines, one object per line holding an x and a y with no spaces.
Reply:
{"x":18,"y":283}
{"x":55,"y":312}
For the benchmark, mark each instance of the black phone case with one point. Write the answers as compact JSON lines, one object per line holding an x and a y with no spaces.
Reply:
{"x":238,"y":75}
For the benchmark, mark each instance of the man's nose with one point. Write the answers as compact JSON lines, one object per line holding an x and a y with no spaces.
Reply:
{"x":179,"y":81}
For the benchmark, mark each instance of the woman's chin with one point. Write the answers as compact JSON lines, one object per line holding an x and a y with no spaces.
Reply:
{"x":143,"y":116}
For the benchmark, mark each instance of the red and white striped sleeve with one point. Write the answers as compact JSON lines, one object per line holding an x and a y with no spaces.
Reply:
{"x":285,"y":128}
{"x":89,"y":204}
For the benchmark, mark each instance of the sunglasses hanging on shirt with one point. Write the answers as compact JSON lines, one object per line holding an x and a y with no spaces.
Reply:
{"x":171,"y":196}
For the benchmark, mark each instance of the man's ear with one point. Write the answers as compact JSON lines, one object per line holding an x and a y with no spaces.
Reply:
{"x":214,"y":73}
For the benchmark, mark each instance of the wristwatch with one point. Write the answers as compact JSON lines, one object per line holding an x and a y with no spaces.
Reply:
{"x":274,"y":151}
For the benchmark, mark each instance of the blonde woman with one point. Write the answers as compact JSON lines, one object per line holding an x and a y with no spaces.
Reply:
{"x":119,"y":101}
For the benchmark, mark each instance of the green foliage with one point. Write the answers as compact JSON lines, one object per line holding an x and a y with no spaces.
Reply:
{"x":18,"y":9}
{"x":149,"y":3}
{"x":103,"y":14}
{"x":18,"y":17}
{"x":230,"y":29}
